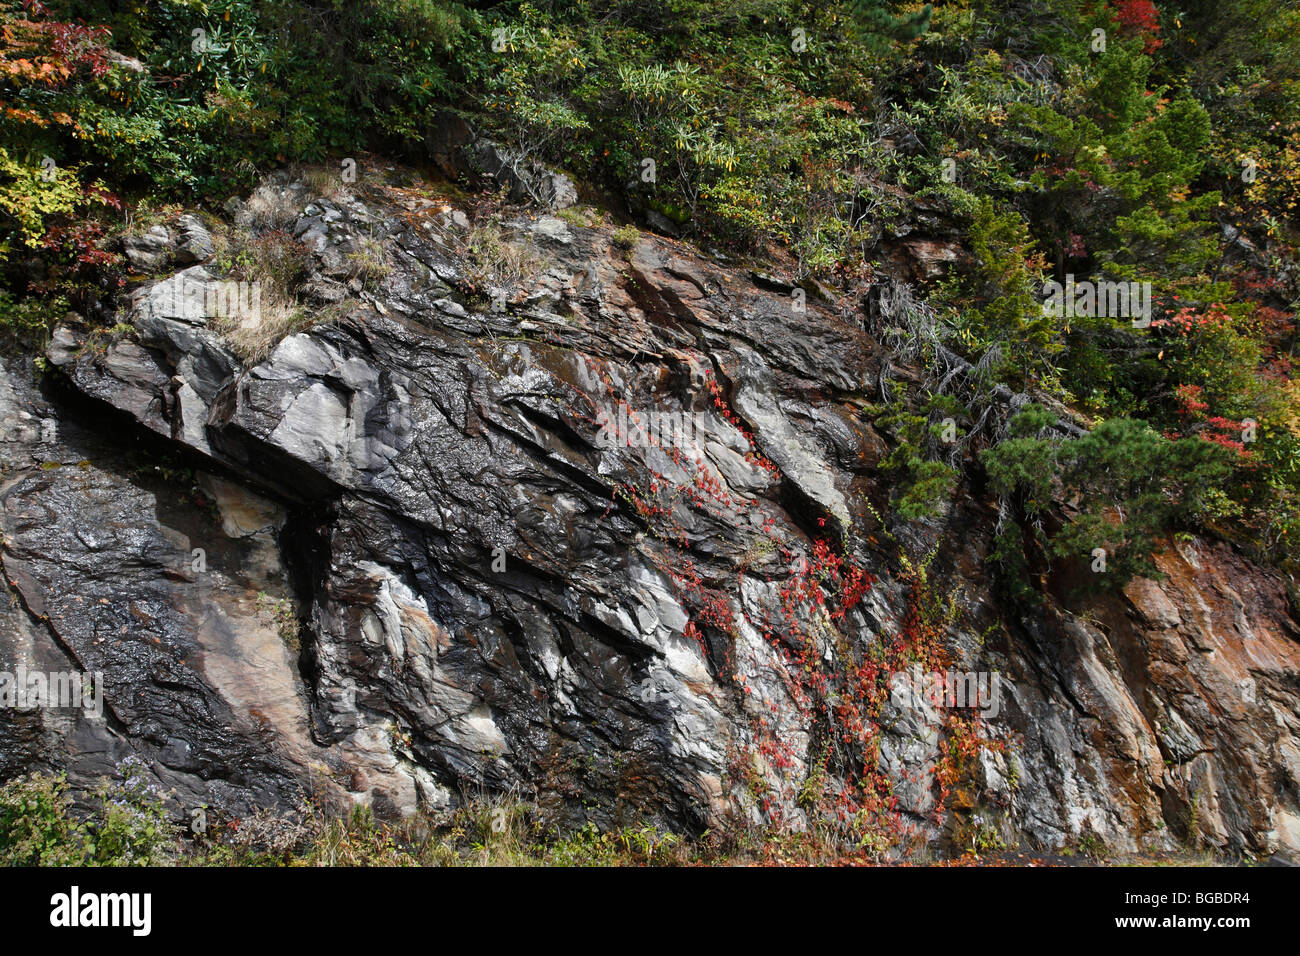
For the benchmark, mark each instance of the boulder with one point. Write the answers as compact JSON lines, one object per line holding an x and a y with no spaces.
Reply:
{"x":195,"y":243}
{"x":148,"y":253}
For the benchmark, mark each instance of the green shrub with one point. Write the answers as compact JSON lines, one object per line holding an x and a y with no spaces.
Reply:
{"x":36,"y":828}
{"x":1128,"y":484}
{"x":926,"y":481}
{"x":130,"y":826}
{"x":133,"y":827}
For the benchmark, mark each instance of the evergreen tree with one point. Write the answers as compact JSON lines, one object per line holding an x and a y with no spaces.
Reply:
{"x":876,"y":24}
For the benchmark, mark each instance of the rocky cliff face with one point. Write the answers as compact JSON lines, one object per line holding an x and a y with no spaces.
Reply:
{"x":400,"y":560}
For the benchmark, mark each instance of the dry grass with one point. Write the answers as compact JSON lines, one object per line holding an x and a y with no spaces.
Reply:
{"x":254,"y":337}
{"x":147,"y":213}
{"x":274,"y":257}
{"x":488,"y":831}
{"x":278,"y":264}
{"x":368,"y":262}
{"x":271,"y":208}
{"x":324,"y":182}
{"x":494,"y":258}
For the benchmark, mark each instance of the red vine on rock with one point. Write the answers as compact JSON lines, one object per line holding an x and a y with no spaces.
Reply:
{"x":839,"y":687}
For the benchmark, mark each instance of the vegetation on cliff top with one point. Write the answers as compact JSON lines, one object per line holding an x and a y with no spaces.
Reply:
{"x":1073,"y":141}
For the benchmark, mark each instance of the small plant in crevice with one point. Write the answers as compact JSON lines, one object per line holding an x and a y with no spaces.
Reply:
{"x":625,"y":237}
{"x":927,"y":480}
{"x":284,"y":617}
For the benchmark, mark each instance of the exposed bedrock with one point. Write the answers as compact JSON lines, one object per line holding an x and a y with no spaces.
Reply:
{"x":393,"y":562}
